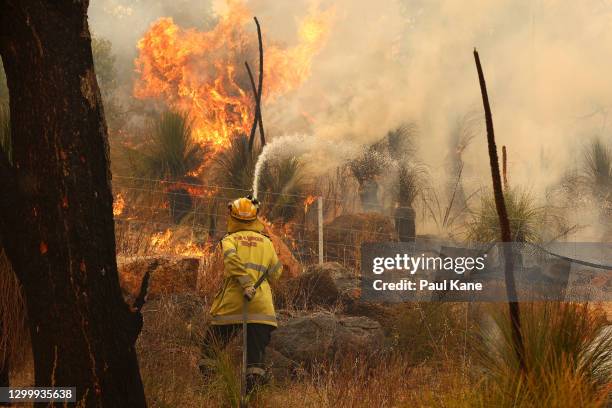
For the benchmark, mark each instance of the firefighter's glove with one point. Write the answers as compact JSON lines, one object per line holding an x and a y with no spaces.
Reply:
{"x":249,"y":293}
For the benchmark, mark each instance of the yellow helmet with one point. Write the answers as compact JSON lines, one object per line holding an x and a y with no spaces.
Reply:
{"x":244,"y":208}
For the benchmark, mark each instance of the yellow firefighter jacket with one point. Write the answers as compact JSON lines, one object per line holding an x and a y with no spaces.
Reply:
{"x":247,"y":254}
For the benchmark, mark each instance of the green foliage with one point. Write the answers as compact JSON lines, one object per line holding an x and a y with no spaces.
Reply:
{"x":568,"y":354}
{"x":104,"y":64}
{"x":225,"y":379}
{"x":170,"y":154}
{"x":106,"y":74}
{"x":281,"y":181}
{"x":283,"y":187}
{"x":591,"y":181}
{"x":526,"y":219}
{"x":4,"y":92}
{"x":235,"y":166}
{"x":597,"y":168}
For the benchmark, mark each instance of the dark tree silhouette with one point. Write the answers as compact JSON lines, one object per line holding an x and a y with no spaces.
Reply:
{"x":56,"y":221}
{"x":504,"y":222}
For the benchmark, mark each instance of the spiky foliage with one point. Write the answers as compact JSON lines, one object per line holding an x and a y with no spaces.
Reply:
{"x":411,"y":180}
{"x":283,"y":187}
{"x":591,"y":181}
{"x":524,"y":215}
{"x":566,"y":346}
{"x":368,"y":165}
{"x":597,"y":169}
{"x":13,"y":337}
{"x":282,"y":180}
{"x":172,"y":154}
{"x":4,"y":93}
{"x":447,"y":210}
{"x":400,"y":142}
{"x":169,"y":155}
{"x":412,"y":174}
{"x":235,"y":166}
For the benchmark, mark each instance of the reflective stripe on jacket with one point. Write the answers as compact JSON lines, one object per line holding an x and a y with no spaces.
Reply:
{"x":247,"y":254}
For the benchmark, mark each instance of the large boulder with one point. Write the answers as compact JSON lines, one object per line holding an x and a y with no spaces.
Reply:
{"x":327,"y":284}
{"x":311,"y":338}
{"x":168,"y":275}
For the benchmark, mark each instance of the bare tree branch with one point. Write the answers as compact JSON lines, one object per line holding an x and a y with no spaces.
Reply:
{"x":257,"y":93}
{"x":257,"y":118}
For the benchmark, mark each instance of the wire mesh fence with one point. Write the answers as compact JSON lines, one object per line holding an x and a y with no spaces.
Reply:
{"x":155,"y":217}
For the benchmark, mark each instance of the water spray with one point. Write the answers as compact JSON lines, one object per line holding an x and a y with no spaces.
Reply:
{"x":302,"y":145}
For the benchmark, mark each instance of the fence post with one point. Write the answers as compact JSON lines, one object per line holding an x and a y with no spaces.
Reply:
{"x":320,"y":212}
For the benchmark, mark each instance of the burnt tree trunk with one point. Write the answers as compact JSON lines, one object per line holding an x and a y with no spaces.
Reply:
{"x":56,"y":218}
{"x":504,"y":222}
{"x":4,"y":362}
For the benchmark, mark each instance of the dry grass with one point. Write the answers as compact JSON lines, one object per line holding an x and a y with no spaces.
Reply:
{"x":433,"y":364}
{"x":13,"y":332}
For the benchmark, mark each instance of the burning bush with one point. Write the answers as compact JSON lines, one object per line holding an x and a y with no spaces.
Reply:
{"x":202,"y":72}
{"x":170,"y":156}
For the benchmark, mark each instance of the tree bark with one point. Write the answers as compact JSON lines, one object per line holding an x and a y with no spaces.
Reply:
{"x":56,"y":219}
{"x":504,"y":223}
{"x":4,"y":363}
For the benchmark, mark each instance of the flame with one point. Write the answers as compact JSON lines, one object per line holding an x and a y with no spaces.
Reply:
{"x":203,"y":73}
{"x":308,"y":201}
{"x":194,"y":190}
{"x":164,"y":243}
{"x":118,"y":205}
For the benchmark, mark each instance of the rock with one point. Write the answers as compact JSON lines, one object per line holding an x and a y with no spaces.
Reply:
{"x":280,"y":366}
{"x":322,"y":285}
{"x":345,"y":234}
{"x":168,"y":275}
{"x":320,"y":336}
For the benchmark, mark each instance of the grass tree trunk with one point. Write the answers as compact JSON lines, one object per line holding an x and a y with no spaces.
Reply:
{"x":56,"y":220}
{"x":504,"y":222}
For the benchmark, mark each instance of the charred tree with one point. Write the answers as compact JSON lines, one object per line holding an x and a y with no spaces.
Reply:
{"x":257,"y":92}
{"x":56,"y":220}
{"x":504,"y":222}
{"x":505,"y":166}
{"x":4,"y":362}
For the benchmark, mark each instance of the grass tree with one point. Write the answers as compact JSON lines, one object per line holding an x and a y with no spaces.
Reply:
{"x":283,"y":188}
{"x":281,"y":183}
{"x":409,"y":179}
{"x":235,"y":166}
{"x":568,"y":351}
{"x":526,"y":218}
{"x":171,"y":156}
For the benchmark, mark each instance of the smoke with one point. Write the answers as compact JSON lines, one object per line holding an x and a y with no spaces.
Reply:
{"x":390,"y":62}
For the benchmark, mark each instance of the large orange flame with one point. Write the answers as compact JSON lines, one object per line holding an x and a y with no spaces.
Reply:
{"x":203,"y":73}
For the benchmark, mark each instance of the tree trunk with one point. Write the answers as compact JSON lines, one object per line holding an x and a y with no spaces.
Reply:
{"x":4,"y":363}
{"x":4,"y":370}
{"x":56,"y":220}
{"x":405,"y":224}
{"x":504,"y":223}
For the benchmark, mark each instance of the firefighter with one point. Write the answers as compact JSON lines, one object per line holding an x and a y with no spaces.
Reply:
{"x":247,"y":254}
